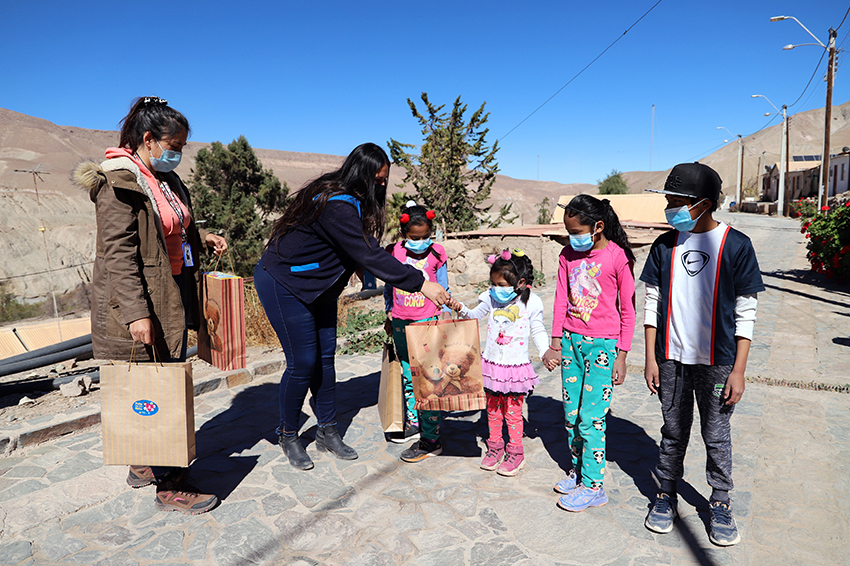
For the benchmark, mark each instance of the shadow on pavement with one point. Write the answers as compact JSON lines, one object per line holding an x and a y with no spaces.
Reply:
{"x":251,"y":418}
{"x":546,"y":422}
{"x":808,"y":278}
{"x":636,"y":454}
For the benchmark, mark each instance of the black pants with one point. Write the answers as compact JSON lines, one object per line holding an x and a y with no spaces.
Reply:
{"x":680,"y":384}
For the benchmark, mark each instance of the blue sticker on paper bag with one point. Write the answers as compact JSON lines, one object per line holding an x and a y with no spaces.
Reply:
{"x":145,"y":408}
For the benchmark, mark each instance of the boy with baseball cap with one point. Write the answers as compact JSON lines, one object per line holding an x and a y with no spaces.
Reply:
{"x":702,"y":280}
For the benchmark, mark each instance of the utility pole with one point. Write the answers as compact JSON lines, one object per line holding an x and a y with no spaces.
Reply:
{"x":738,"y":194}
{"x":783,"y":163}
{"x":823,"y":194}
{"x":651,"y":140}
{"x":36,"y":175}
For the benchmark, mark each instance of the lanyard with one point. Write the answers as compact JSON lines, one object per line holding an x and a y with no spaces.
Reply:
{"x":175,"y":205}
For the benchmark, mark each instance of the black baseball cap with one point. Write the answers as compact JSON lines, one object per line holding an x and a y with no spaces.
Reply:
{"x":692,"y":180}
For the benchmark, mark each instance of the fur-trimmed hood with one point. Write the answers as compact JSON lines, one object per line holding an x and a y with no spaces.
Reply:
{"x":91,"y":175}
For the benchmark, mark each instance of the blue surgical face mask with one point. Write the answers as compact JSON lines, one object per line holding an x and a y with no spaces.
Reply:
{"x":502,"y":294}
{"x":167,"y":162}
{"x":417,"y":246}
{"x":680,"y":217}
{"x":581,"y":242}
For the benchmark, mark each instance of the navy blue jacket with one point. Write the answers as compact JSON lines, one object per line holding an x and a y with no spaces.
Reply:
{"x":738,"y":274}
{"x":315,"y":258}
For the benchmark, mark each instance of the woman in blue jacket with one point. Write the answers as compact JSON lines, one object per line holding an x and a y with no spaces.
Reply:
{"x":331,"y":229}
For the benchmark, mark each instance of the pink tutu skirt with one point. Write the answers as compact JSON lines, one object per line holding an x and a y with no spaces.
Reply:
{"x":508,"y":379}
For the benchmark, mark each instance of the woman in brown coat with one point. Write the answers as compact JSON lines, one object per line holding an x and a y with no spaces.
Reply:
{"x":145,"y":283}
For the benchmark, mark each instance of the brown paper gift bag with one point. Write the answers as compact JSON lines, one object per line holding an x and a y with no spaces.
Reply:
{"x":148,"y":414}
{"x":390,"y":395}
{"x":445,"y":364}
{"x":221,"y":338}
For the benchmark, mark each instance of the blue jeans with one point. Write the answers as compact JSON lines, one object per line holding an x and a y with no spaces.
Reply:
{"x":307,"y":333}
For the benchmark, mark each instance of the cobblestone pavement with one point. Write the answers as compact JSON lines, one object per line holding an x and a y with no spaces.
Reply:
{"x":60,"y":505}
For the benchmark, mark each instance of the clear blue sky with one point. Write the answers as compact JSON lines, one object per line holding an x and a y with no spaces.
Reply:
{"x":325,"y":76}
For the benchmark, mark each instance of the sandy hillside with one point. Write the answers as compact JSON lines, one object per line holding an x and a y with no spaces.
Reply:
{"x":67,"y":214}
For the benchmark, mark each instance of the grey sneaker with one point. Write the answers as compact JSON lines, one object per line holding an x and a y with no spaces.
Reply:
{"x":660,"y":517}
{"x":723,"y":532}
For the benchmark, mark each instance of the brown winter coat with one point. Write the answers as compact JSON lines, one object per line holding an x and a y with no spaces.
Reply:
{"x":132,"y":274}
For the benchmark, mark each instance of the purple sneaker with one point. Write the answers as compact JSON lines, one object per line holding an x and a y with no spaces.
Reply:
{"x":583,"y":497}
{"x":567,"y":484}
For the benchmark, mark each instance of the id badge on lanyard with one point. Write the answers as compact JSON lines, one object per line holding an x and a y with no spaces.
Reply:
{"x":187,"y":255}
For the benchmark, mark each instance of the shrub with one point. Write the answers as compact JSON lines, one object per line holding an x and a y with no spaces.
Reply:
{"x":361,"y":330}
{"x":828,"y":233}
{"x":803,"y":208}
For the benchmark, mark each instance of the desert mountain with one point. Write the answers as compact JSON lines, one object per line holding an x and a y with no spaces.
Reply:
{"x":67,"y":215}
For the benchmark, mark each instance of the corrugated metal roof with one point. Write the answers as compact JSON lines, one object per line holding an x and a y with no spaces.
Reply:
{"x":40,"y":334}
{"x":9,"y":344}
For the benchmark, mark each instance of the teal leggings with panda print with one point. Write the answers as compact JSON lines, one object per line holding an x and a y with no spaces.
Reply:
{"x":586,"y":372}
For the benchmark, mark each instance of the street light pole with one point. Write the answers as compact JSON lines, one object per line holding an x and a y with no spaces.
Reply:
{"x":823,"y":192}
{"x":783,"y":155}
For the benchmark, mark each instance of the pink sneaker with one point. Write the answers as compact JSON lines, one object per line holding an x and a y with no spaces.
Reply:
{"x":494,"y":455}
{"x":514,"y":462}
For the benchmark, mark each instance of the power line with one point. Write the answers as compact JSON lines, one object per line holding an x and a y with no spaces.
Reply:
{"x":842,"y":19}
{"x":706,"y":152}
{"x":810,"y":79}
{"x":47,"y":271}
{"x":580,"y":72}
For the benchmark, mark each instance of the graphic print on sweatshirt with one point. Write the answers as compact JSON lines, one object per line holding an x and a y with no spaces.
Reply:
{"x":417,"y":299}
{"x":584,"y":290}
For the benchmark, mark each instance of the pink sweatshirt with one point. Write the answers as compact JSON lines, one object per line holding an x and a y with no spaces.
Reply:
{"x":595,"y":295}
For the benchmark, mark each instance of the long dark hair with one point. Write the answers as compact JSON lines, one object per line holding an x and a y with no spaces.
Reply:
{"x":591,"y":210}
{"x":150,"y":114}
{"x":356,"y":177}
{"x":513,"y":269}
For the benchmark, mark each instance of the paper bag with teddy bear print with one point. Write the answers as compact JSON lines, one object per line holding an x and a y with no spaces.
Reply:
{"x":221,"y":337}
{"x":445,"y":364}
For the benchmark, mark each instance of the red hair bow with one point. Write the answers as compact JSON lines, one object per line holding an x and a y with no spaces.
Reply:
{"x":430,"y":215}
{"x":404,"y":218}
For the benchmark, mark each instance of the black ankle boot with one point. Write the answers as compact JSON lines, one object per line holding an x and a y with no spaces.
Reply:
{"x":293,"y":449}
{"x":327,"y":438}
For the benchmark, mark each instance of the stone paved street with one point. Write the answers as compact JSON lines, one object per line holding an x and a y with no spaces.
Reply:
{"x":60,"y":505}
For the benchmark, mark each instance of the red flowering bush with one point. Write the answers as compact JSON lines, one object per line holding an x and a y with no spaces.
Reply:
{"x":828,"y":233}
{"x":805,"y":208}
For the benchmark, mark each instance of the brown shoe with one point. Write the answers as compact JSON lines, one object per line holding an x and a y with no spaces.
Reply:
{"x":140,"y":476}
{"x":184,"y":498}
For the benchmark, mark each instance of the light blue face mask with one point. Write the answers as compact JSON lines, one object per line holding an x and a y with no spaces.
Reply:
{"x":680,"y":217}
{"x":502,"y":294}
{"x":167,"y":162}
{"x":581,"y":242}
{"x":417,"y":246}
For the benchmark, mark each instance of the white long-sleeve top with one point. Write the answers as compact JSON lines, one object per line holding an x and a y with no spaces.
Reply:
{"x":746,"y":307}
{"x":510,"y":327}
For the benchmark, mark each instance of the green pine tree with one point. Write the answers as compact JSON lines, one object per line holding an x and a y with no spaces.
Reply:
{"x":544,"y":211}
{"x":237,"y":199}
{"x":454,"y":169}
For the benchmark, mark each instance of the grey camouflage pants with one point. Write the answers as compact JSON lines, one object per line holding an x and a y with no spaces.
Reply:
{"x":679,"y":385}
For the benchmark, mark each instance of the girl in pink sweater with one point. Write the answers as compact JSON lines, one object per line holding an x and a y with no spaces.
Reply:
{"x":592,"y":331}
